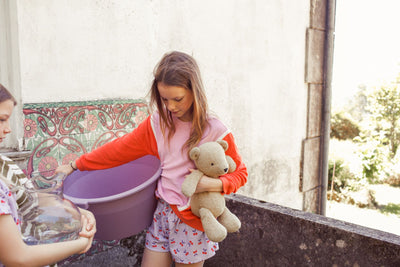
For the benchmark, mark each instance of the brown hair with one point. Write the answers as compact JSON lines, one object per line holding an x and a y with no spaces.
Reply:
{"x":6,"y":95}
{"x":180,"y":69}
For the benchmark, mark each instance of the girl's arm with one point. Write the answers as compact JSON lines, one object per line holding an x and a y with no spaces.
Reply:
{"x":231,"y":182}
{"x":14,"y":252}
{"x":140,"y":142}
{"x":209,"y":184}
{"x":228,"y":183}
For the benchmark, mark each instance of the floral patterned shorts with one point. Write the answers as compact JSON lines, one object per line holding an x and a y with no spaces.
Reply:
{"x":168,"y":233}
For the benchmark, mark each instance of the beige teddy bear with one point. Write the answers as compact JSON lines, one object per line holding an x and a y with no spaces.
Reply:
{"x":211,"y":161}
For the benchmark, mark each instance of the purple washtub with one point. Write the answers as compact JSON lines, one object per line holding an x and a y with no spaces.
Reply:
{"x":121,"y":198}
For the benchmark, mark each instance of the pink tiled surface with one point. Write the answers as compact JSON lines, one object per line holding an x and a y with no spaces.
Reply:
{"x":57,"y":133}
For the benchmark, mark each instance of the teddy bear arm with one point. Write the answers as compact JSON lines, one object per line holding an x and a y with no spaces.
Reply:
{"x":232,"y":164}
{"x":189,"y":185}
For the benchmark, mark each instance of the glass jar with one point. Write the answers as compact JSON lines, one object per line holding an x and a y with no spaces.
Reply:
{"x":47,"y":216}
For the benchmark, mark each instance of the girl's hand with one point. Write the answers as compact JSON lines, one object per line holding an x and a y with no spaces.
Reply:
{"x":88,"y":229}
{"x":87,"y":235}
{"x":67,"y":169}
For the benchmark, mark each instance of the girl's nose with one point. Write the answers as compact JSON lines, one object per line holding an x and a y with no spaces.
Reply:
{"x":171,"y":107}
{"x":7,"y":129}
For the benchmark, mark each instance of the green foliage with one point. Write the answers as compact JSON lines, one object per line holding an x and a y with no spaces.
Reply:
{"x":373,"y":155}
{"x":384,"y":105}
{"x":343,"y":127}
{"x":344,"y":179}
{"x":370,"y":123}
{"x":391,"y":208}
{"x":379,"y":138}
{"x":341,"y":173}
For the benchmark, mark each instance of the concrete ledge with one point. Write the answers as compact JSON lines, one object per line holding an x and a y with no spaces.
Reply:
{"x":272,"y":235}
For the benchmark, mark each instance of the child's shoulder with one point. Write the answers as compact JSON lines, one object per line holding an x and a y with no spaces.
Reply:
{"x":216,"y":123}
{"x":216,"y":128}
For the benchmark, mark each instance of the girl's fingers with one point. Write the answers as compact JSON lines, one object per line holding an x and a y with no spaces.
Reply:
{"x":88,"y":229}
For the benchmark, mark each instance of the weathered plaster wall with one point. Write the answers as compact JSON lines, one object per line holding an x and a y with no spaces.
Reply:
{"x":251,"y":53}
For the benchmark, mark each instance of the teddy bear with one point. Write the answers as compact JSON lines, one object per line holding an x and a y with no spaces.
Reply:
{"x":211,"y":161}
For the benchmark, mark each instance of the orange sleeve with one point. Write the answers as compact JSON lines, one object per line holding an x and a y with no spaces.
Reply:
{"x":138,"y":143}
{"x":231,"y":182}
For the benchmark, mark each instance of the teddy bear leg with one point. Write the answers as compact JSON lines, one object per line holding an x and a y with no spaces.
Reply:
{"x":213,"y":229}
{"x":229,"y":220}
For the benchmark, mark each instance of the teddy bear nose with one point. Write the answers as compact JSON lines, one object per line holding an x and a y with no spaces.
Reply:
{"x":226,"y":170}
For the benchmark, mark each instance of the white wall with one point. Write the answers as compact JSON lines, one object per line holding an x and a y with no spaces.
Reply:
{"x":251,"y":53}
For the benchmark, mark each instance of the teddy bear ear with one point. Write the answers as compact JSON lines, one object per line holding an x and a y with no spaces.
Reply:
{"x":223,"y":143}
{"x":194,"y":153}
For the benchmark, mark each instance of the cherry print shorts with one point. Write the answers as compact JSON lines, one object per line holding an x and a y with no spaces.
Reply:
{"x":168,"y":233}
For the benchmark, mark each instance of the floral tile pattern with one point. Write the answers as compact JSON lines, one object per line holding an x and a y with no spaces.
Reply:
{"x":58,"y":133}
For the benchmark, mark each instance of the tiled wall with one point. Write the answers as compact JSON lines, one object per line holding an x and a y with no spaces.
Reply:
{"x":57,"y":133}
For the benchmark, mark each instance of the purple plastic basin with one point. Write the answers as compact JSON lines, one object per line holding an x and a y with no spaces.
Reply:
{"x":121,"y":198}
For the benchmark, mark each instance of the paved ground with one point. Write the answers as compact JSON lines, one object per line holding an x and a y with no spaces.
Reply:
{"x":368,"y":217}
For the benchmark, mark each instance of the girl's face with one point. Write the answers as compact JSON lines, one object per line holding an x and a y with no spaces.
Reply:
{"x":6,"y":109}
{"x":177,"y":100}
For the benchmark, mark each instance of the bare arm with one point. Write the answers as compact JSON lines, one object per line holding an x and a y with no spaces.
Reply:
{"x":14,"y":252}
{"x":67,"y":168}
{"x":209,"y":184}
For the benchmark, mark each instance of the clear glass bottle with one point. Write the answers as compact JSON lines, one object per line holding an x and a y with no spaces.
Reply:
{"x":47,"y":216}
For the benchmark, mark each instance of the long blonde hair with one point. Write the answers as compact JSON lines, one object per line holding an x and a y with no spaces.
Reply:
{"x":180,"y":69}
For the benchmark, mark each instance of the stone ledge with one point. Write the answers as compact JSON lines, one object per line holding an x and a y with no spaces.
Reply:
{"x":273,"y":235}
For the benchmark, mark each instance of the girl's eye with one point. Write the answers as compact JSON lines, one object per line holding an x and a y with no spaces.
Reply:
{"x":176,"y":100}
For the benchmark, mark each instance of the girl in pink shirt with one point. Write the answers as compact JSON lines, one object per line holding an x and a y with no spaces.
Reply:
{"x":181,"y":121}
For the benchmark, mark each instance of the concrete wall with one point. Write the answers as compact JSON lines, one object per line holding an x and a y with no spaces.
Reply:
{"x":272,"y":235}
{"x":251,"y":53}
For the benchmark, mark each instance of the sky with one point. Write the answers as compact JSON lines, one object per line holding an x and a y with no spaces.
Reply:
{"x":367,"y":46}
